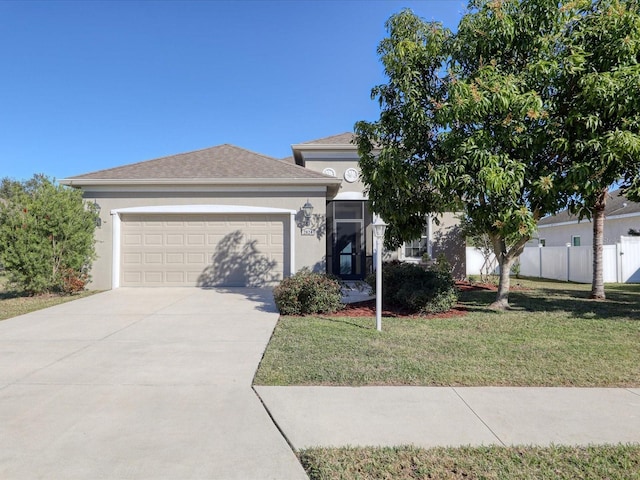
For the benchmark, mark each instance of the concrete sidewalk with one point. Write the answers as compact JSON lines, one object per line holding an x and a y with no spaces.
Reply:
{"x":447,"y":416}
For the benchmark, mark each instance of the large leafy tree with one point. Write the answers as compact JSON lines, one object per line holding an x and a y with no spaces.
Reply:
{"x":598,"y":111}
{"x":463,"y":124}
{"x":46,"y":235}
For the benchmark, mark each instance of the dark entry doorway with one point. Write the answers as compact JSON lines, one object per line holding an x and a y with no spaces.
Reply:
{"x":348,"y":254}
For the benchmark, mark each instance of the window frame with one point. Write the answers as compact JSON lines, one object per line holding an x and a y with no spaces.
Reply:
{"x":424,"y":237}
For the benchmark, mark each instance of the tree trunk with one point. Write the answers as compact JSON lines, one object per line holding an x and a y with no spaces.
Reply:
{"x":506,"y":257}
{"x":502,"y":298}
{"x":597,"y":284}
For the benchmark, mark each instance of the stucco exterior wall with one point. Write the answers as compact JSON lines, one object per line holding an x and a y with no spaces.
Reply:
{"x":319,"y":161}
{"x":560,"y":235}
{"x":309,"y":250}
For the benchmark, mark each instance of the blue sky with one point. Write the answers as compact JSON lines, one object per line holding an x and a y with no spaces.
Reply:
{"x":92,"y":85}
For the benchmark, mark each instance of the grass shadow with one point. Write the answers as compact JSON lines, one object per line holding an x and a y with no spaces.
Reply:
{"x":623,"y":301}
{"x":341,"y":320}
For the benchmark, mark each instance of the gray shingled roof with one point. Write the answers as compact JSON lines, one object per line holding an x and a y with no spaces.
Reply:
{"x":617,"y":204}
{"x":221,"y":162}
{"x":340,"y":139}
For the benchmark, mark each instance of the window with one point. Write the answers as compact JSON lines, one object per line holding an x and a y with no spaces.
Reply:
{"x":417,"y":248}
{"x":575,"y":240}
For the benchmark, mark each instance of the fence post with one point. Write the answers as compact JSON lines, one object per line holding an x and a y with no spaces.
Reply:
{"x":568,"y":262}
{"x":540,"y":260}
{"x":619,"y":262}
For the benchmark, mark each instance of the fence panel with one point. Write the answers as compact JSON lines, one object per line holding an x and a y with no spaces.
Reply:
{"x":554,"y":263}
{"x":476,"y":262}
{"x":576,"y":263}
{"x":580,"y":264}
{"x":630,"y":259}
{"x":530,"y":262}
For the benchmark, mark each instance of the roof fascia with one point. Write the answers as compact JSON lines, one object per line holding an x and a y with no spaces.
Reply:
{"x":298,"y":148}
{"x":575,"y":222}
{"x":81,"y":182}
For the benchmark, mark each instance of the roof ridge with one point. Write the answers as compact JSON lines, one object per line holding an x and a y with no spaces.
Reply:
{"x":173,"y":155}
{"x":320,"y":140}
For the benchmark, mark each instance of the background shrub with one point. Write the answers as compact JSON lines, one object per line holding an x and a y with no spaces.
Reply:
{"x":46,"y":235}
{"x":307,"y":293}
{"x":411,"y":287}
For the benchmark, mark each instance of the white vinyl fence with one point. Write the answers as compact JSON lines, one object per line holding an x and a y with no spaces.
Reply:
{"x":477,"y":265}
{"x":621,"y":262}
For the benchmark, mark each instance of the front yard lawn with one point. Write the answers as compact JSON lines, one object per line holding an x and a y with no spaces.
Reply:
{"x":407,"y":463}
{"x":553,"y":336}
{"x":14,"y":303}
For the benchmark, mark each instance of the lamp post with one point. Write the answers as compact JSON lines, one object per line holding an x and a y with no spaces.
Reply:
{"x":378,"y":231}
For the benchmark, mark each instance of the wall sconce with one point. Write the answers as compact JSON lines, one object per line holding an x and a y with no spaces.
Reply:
{"x":307,"y":211}
{"x":96,"y":208}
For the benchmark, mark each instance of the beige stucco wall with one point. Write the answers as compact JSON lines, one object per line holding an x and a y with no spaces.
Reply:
{"x":447,"y":239}
{"x":340,"y":163}
{"x":309,"y":250}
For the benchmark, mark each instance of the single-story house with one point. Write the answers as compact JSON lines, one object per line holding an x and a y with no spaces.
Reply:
{"x":621,"y":215}
{"x":226,"y":216}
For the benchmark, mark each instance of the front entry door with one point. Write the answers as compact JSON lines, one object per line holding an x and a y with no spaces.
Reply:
{"x":348,"y":255}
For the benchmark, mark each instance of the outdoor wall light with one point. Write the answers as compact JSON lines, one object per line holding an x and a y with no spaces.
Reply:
{"x":307,"y":210}
{"x":97,"y":209}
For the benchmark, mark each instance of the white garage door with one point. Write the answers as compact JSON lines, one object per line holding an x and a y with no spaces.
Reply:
{"x":201,"y":250}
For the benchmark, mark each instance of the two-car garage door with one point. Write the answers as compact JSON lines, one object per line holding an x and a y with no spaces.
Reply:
{"x":201,"y":249}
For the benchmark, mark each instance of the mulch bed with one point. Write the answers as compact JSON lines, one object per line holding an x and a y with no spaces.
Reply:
{"x":368,"y":308}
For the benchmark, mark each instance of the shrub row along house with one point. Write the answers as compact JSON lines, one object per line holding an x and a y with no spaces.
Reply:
{"x":225,"y":216}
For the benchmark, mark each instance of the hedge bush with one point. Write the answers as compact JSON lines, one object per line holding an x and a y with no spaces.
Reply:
{"x":411,"y":287}
{"x":308,"y":293}
{"x":46,"y":235}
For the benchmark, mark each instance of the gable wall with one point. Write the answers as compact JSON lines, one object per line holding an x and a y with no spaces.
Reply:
{"x":339,"y":162}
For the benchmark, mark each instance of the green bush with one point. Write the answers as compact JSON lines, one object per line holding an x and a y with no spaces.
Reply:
{"x":411,"y":287}
{"x":46,"y":235}
{"x":307,"y":293}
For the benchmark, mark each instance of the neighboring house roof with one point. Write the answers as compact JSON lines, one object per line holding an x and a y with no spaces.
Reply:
{"x":221,"y":164}
{"x":617,"y":206}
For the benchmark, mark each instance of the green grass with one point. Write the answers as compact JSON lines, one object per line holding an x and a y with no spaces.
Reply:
{"x":407,"y":463}
{"x":14,"y":303}
{"x":553,"y":336}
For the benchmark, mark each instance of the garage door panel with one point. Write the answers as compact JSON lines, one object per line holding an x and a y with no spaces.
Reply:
{"x":195,"y":240}
{"x":153,"y":278}
{"x":174,"y":239}
{"x":175,"y":258}
{"x":153,"y":239}
{"x":134,"y":278}
{"x":202,"y":250}
{"x":132,"y":259}
{"x":129,"y":239}
{"x":196,"y":258}
{"x":153,"y":258}
{"x":175,"y":277}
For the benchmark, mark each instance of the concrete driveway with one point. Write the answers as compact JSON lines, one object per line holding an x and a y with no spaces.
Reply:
{"x":140,"y":383}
